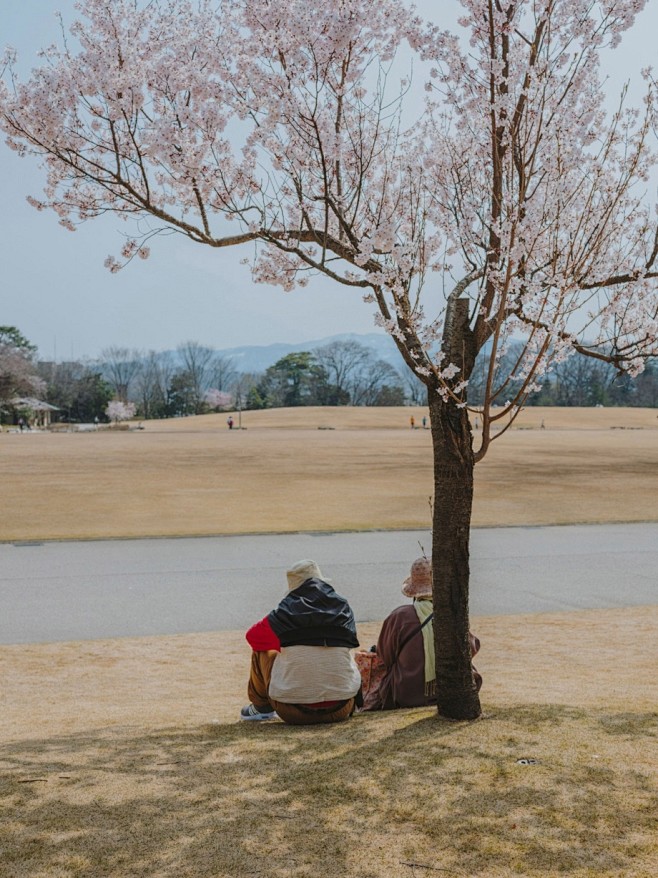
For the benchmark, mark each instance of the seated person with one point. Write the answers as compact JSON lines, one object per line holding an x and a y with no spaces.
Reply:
{"x":301,"y":666}
{"x":406,"y":648}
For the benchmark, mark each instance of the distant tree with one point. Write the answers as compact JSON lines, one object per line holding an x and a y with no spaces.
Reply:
{"x":646,"y":385}
{"x":217,"y":399}
{"x":117,"y":411}
{"x":390,"y":395}
{"x":354,"y":376}
{"x":181,"y":395}
{"x":242,"y":386}
{"x":152,"y":385}
{"x":581,"y":382}
{"x":91,"y":397}
{"x":12,"y":337}
{"x":77,"y":389}
{"x":493,"y":377}
{"x":18,"y":372}
{"x":368,"y":384}
{"x":17,"y":375}
{"x":585,"y":382}
{"x":254,"y":400}
{"x":120,"y":367}
{"x":344,"y":363}
{"x":415,"y":392}
{"x":199,"y":362}
{"x":294,"y":380}
{"x":223,"y":372}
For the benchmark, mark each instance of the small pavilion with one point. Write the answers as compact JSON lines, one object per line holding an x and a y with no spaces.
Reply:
{"x":40,"y":411}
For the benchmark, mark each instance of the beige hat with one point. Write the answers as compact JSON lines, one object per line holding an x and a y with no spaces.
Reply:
{"x":419,"y":582}
{"x":301,"y":571}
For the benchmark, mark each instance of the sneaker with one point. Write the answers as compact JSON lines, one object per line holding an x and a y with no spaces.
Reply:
{"x":251,"y":712}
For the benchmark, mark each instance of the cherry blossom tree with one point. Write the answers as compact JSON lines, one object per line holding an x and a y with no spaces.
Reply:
{"x":18,"y":370}
{"x":217,"y":399}
{"x":117,"y":411}
{"x":513,"y":208}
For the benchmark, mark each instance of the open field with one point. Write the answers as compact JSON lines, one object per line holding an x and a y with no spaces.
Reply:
{"x":123,"y":758}
{"x":320,"y":469}
{"x":112,"y":764}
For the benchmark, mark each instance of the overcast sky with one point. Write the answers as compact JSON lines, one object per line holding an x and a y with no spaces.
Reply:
{"x":55,"y":288}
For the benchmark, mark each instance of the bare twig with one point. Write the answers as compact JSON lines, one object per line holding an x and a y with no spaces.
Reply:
{"x":426,"y":866}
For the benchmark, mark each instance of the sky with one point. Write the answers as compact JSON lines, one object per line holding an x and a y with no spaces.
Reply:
{"x":56,"y":290}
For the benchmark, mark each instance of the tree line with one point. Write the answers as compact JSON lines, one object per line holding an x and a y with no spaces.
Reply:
{"x":577,"y":381}
{"x":197,"y":379}
{"x":193,"y":379}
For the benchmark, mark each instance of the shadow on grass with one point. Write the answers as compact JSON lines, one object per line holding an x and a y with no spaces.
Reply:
{"x":366,"y":799}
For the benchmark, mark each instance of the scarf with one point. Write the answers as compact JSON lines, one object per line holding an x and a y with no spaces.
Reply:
{"x":423,"y":609}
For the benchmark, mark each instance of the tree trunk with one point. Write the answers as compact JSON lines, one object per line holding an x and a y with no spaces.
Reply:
{"x":453,"y":498}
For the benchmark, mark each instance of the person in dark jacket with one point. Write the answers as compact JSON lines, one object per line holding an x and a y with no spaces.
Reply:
{"x":302,"y":668}
{"x":406,"y":648}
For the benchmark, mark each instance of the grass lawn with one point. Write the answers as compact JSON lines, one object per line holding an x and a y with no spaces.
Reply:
{"x":123,"y":758}
{"x":193,"y":476}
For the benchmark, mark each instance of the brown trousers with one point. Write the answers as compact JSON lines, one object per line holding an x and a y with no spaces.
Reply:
{"x":293,"y":714}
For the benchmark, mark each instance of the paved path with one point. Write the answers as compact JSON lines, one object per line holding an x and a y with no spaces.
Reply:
{"x":87,"y":590}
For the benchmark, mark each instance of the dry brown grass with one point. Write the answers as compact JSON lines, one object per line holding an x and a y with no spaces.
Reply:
{"x":113,"y":767}
{"x":194,"y":476}
{"x":110,"y":764}
{"x":401,"y":796}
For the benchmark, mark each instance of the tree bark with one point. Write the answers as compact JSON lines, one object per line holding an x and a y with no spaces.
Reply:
{"x":453,"y":498}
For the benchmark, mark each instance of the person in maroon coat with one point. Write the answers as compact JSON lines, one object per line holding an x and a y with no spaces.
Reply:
{"x":406,"y":648}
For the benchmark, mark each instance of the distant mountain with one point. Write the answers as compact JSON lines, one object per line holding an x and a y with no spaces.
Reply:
{"x":258,"y":358}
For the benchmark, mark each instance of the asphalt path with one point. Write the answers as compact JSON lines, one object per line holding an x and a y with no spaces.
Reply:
{"x":64,"y":591}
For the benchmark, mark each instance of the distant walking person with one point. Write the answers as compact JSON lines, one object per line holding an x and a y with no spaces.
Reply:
{"x":412,"y":422}
{"x":230,"y":422}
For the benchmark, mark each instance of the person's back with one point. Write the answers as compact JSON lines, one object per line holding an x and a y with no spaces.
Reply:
{"x":302,"y":667}
{"x":316,"y":632}
{"x":405,"y":647}
{"x":400,"y":647}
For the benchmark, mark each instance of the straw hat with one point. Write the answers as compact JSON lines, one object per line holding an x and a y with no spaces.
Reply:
{"x":301,"y":571}
{"x":419,"y":582}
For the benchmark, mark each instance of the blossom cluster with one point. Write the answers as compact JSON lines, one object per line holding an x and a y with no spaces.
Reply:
{"x":116,"y":410}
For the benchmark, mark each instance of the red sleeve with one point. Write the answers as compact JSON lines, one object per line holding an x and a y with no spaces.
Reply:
{"x":260,"y":637}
